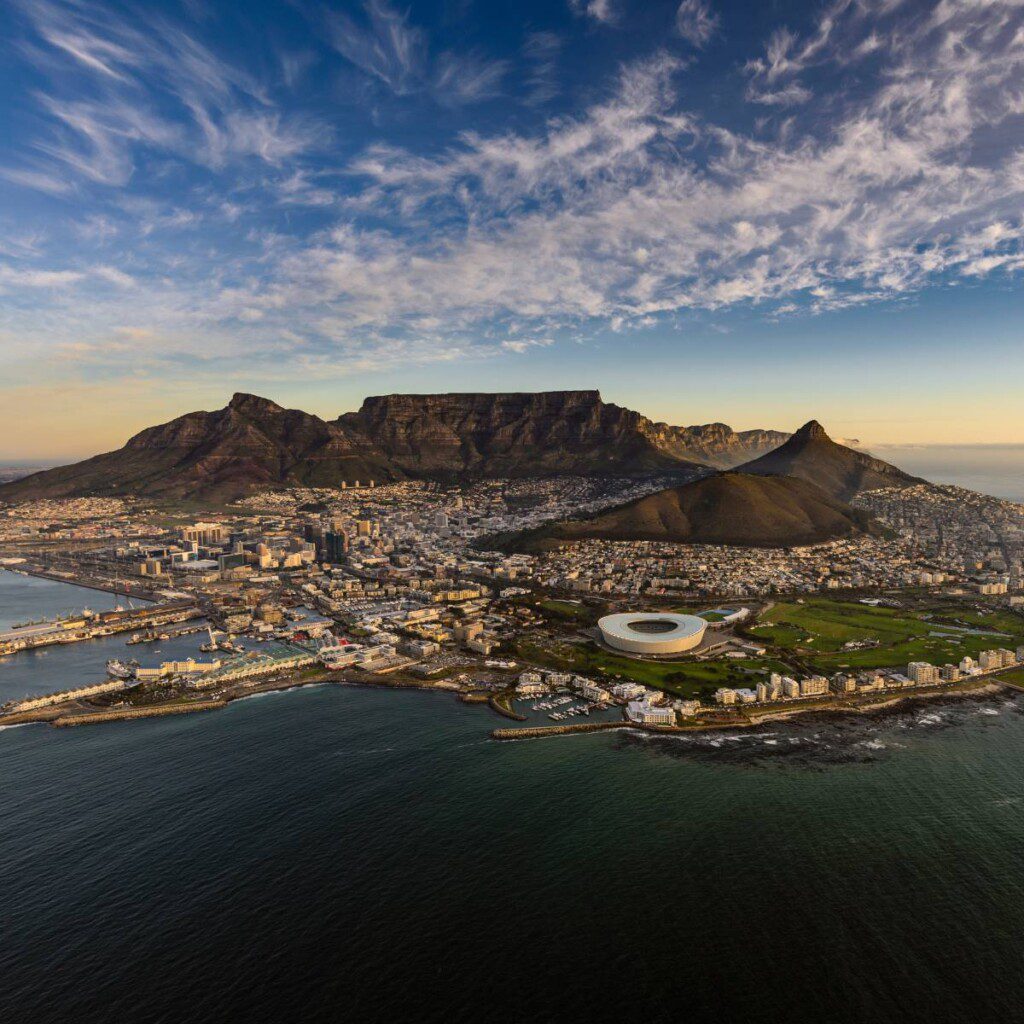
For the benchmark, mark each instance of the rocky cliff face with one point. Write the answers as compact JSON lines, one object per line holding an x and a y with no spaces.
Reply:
{"x":715,"y":443}
{"x":513,"y":434}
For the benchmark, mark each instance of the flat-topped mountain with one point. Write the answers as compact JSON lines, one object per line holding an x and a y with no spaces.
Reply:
{"x":727,"y":508}
{"x":810,"y":454}
{"x":532,"y":433}
{"x":254,"y":444}
{"x":514,"y":434}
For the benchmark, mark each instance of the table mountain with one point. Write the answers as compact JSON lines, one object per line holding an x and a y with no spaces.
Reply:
{"x":727,"y":508}
{"x":515,"y":434}
{"x":810,"y":454}
{"x":254,"y":444}
{"x":530,"y":433}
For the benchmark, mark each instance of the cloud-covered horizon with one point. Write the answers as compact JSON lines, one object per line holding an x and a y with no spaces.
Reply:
{"x":378,"y":189}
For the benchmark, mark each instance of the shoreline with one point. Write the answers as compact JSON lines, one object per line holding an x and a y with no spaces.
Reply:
{"x":64,"y":716}
{"x":990,"y":687}
{"x":102,"y":588}
{"x":61,"y":716}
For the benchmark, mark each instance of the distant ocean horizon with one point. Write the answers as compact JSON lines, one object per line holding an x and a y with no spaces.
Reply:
{"x":996,"y":469}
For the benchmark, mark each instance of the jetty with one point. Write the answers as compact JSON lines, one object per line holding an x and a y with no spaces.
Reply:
{"x":122,"y":714}
{"x":539,"y":731}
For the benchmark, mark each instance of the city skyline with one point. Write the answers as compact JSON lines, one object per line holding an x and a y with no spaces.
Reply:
{"x":707,"y":213}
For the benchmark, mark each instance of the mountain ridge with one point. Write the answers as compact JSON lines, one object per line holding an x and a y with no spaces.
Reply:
{"x":811,"y":455}
{"x":254,"y":443}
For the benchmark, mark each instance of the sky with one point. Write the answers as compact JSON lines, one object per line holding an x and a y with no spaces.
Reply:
{"x":755,"y":213}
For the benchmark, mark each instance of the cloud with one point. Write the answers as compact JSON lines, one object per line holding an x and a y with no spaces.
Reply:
{"x":38,"y":180}
{"x":603,"y":11}
{"x":785,"y":96}
{"x":467,"y":78}
{"x":636,"y":209}
{"x":120,"y":87}
{"x":396,"y":54}
{"x":541,"y":50}
{"x":696,"y":22}
{"x":521,"y":345}
{"x":383,"y":44}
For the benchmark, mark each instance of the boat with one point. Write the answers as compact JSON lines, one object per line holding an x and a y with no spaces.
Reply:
{"x":119,"y":670}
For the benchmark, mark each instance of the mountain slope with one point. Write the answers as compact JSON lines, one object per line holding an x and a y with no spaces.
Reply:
{"x":251,"y":444}
{"x":728,"y":508}
{"x":811,"y":455}
{"x":255,"y":444}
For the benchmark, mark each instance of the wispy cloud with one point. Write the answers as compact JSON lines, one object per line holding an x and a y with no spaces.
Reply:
{"x":541,"y":51}
{"x":637,"y":208}
{"x":604,"y":11}
{"x":696,"y":22}
{"x":387,"y":47}
{"x":118,"y":86}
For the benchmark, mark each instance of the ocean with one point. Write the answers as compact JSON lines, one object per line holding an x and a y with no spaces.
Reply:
{"x":996,"y":469}
{"x":347,"y":854}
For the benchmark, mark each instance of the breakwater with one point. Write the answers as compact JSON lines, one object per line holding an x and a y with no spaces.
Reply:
{"x":95,"y":718}
{"x":120,"y":588}
{"x":505,"y":709}
{"x":538,"y":731}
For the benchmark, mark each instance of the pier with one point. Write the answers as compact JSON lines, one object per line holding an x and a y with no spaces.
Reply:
{"x":539,"y":731}
{"x":156,"y":711}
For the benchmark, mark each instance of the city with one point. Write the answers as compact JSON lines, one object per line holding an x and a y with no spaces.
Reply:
{"x":511,"y":512}
{"x":396,"y":583}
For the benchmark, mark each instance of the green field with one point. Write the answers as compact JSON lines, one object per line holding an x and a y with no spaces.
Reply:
{"x":816,"y":630}
{"x":1016,"y":677}
{"x":568,"y":611}
{"x":682,"y":678}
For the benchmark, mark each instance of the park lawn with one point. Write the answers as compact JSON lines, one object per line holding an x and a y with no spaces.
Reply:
{"x":833,"y":623}
{"x":818,"y":628}
{"x":781,"y":635}
{"x":1003,"y":622}
{"x":1016,"y":677}
{"x":687,"y":678}
{"x":937,"y":650}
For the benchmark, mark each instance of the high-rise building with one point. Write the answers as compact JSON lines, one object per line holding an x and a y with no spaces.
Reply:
{"x":335,"y":546}
{"x":206,"y":534}
{"x":923,"y":673}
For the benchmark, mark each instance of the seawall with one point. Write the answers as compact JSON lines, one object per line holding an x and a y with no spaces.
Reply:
{"x":535,"y":732}
{"x":66,"y":721}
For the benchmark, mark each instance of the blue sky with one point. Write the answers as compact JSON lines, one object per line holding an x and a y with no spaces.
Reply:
{"x":755,"y":213}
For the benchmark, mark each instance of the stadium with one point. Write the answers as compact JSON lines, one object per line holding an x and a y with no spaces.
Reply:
{"x":652,"y":633}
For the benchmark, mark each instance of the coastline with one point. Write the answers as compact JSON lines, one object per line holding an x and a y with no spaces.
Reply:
{"x":75,"y":713}
{"x":989,"y":687}
{"x":126,"y":589}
